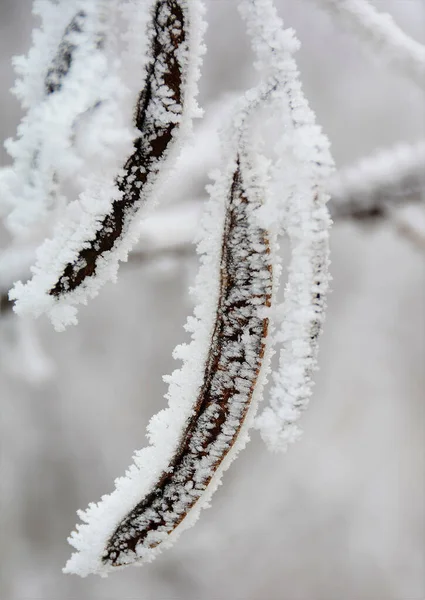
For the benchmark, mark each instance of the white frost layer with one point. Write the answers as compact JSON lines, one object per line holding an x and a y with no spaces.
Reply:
{"x":383,"y":35}
{"x":302,"y":174}
{"x":81,"y":219}
{"x":73,"y":115}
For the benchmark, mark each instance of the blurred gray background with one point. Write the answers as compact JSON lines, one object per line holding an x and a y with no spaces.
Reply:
{"x":339,"y":517}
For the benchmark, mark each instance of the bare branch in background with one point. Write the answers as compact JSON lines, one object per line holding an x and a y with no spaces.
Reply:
{"x":5,"y":304}
{"x":382,"y":34}
{"x":387,"y":178}
{"x":368,"y":190}
{"x":62,"y":61}
{"x":410,"y":223}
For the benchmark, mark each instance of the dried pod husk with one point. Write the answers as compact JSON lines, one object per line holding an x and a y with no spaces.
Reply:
{"x":163,"y":42}
{"x":212,"y":399}
{"x":157,"y":116}
{"x":234,"y":361}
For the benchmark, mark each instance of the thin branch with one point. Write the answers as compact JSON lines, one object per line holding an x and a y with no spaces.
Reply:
{"x":364,"y":191}
{"x":5,"y":304}
{"x":62,"y":61}
{"x":382,"y":34}
{"x":387,"y":178}
{"x":302,"y":175}
{"x":410,"y":223}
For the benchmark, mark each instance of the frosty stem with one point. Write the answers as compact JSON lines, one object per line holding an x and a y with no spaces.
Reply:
{"x":302,"y":169}
{"x":383,"y":35}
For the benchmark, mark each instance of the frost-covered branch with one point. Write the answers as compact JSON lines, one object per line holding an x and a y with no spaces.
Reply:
{"x":302,"y":174}
{"x":388,"y":178}
{"x":382,"y":34}
{"x":97,"y":231}
{"x":366,"y":190}
{"x":410,"y":223}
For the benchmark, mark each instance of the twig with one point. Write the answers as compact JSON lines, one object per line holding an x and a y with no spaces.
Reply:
{"x":410,"y":223}
{"x":5,"y":303}
{"x":302,"y":173}
{"x":62,"y":61}
{"x":387,"y":178}
{"x":383,"y":35}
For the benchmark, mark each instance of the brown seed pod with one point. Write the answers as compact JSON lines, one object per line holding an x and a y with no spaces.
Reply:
{"x":157,"y":116}
{"x":231,"y":371}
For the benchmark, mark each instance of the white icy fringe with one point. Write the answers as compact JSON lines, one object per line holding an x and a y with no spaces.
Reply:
{"x":383,"y":35}
{"x":165,"y":428}
{"x":302,"y":172}
{"x":66,"y":130}
{"x":81,"y":218}
{"x":379,"y":180}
